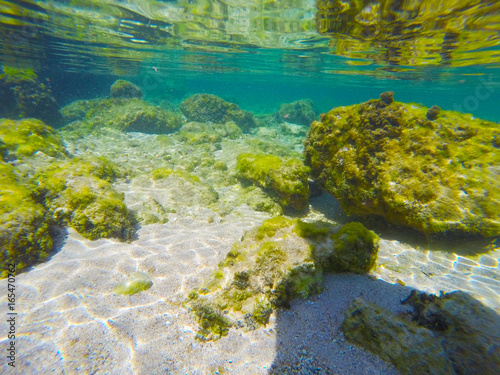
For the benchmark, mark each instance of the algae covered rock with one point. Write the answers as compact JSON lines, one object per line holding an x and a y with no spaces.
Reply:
{"x":285,"y":179}
{"x":387,"y":158}
{"x":123,"y":114}
{"x":24,"y":224}
{"x":79,"y":193}
{"x":275,"y":263}
{"x":23,"y":95}
{"x":448,"y":334}
{"x":135,"y":283}
{"x":22,"y":138}
{"x":301,"y":112}
{"x":210,"y":108}
{"x":410,"y":348}
{"x":125,"y":90}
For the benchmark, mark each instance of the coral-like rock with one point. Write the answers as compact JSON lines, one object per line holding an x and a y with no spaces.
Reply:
{"x":390,"y":160}
{"x":206,"y":107}
{"x":23,"y":95}
{"x":281,"y":260}
{"x":300,"y":112}
{"x":125,"y":90}
{"x":285,"y":179}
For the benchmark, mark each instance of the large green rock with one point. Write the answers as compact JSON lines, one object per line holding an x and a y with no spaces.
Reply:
{"x":275,"y":263}
{"x":23,"y":95}
{"x":387,"y":158}
{"x":133,"y":114}
{"x":24,"y":224}
{"x":448,"y":334}
{"x":300,"y":112}
{"x":206,"y":107}
{"x":285,"y":179}
{"x":125,"y":89}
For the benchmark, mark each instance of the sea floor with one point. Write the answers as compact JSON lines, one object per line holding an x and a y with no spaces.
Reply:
{"x":71,"y":322}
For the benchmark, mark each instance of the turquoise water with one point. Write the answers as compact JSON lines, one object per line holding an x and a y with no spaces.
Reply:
{"x":106,"y":187}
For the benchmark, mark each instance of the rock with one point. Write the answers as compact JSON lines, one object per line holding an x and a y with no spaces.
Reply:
{"x":128,"y":115}
{"x":210,"y":108}
{"x":433,"y":112}
{"x":285,"y":179}
{"x":410,"y":348}
{"x":300,"y":112}
{"x":23,"y":95}
{"x":389,"y":160}
{"x":273,"y":264}
{"x":448,"y":334}
{"x":125,"y":90}
{"x":24,"y":224}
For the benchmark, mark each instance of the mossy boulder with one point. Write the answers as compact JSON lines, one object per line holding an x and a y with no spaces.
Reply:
{"x":23,"y":95}
{"x":387,"y":158}
{"x":23,"y":138}
{"x":79,"y":193}
{"x":125,"y":90}
{"x":275,"y":263}
{"x":128,"y":115}
{"x":285,"y":179}
{"x":301,"y":112}
{"x":210,"y":108}
{"x":448,"y":334}
{"x":410,"y":348}
{"x":24,"y":224}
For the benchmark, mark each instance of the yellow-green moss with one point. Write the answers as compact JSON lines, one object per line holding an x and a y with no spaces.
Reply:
{"x":285,"y":179}
{"x":270,"y":226}
{"x":135,"y":283}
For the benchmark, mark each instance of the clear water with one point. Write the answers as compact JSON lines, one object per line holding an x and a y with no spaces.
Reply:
{"x":257,"y":54}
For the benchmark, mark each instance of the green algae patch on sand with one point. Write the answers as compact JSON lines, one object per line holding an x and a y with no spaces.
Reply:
{"x":22,"y":138}
{"x":137,"y":282}
{"x":24,"y":224}
{"x":387,"y":158}
{"x":273,"y":264}
{"x":285,"y":179}
{"x":447,"y":334}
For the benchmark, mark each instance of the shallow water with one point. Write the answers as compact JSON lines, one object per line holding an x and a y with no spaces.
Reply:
{"x":258,"y":55}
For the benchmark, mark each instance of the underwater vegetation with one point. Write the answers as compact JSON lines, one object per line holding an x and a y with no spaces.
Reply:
{"x":447,"y":334}
{"x":23,"y":95}
{"x":279,"y":261}
{"x":285,"y":179}
{"x":135,"y":283}
{"x":210,"y":108}
{"x":46,"y":187}
{"x":125,"y":90}
{"x":430,"y":169}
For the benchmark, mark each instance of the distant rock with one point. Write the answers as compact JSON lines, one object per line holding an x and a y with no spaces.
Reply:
{"x":23,"y":96}
{"x":206,"y":107}
{"x":301,"y":112}
{"x":125,"y":90}
{"x":387,"y":158}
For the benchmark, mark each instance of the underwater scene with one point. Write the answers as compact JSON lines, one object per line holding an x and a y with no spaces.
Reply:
{"x":250,"y":187}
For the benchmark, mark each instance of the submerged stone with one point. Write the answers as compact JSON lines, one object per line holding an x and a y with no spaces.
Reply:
{"x":388,"y":159}
{"x":125,"y":89}
{"x":210,"y":108}
{"x":285,"y":179}
{"x":301,"y":112}
{"x":279,"y":261}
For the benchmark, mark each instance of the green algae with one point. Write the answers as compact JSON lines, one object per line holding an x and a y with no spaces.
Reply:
{"x":285,"y":179}
{"x":279,"y":261}
{"x":388,"y":159}
{"x":135,"y":283}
